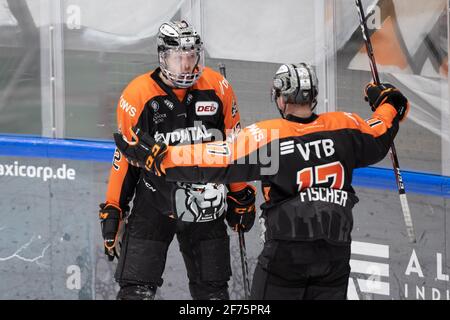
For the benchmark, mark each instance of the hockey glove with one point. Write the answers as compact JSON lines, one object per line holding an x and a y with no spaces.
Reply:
{"x":386,"y":93}
{"x":144,"y":152}
{"x":241,"y":209}
{"x":110,"y":217}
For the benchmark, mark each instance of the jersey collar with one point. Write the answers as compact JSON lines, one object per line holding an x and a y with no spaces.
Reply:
{"x":293,"y":118}
{"x":167,"y":89}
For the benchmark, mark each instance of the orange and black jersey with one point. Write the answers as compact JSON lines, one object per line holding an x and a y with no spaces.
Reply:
{"x":290,"y":155}
{"x":205,"y":112}
{"x":305,"y":166}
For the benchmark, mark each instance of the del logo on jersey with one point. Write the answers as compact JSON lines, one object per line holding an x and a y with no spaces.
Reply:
{"x":206,"y":108}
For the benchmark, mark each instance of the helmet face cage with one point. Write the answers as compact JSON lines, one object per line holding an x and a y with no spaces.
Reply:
{"x":172,"y":62}
{"x":297,"y":83}
{"x":180,"y":53}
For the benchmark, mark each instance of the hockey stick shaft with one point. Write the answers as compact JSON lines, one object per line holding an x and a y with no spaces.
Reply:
{"x":244,"y":264}
{"x":242,"y":248}
{"x":393,"y":152}
{"x":223,"y":70}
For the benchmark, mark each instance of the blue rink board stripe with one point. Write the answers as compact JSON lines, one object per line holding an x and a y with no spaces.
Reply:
{"x":102,"y":151}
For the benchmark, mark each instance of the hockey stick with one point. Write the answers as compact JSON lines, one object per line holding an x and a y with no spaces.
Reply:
{"x":244,"y":264}
{"x":242,"y":249}
{"x":222,"y":69}
{"x":393,"y":152}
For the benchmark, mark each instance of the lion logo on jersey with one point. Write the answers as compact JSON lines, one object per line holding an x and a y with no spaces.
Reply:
{"x":199,"y":202}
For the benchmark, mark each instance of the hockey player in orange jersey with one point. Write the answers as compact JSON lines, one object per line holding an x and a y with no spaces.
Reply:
{"x":182,"y":102}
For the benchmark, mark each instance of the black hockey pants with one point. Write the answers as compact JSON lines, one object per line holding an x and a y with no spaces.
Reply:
{"x":293,"y":270}
{"x":204,"y":246}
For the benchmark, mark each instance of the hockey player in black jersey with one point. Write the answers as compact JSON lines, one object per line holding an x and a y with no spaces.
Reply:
{"x":309,"y":198}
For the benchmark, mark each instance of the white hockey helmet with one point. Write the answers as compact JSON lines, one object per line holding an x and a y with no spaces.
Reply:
{"x":296,"y":83}
{"x":180,"y":53}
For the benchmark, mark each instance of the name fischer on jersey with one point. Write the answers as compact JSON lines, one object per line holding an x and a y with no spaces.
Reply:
{"x":335,"y":196}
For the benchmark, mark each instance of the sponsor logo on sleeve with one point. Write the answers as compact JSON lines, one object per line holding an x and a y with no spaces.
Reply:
{"x":234,"y":108}
{"x":127,"y":107}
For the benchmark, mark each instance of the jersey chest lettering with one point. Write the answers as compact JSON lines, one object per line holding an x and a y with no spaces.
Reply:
{"x":321,"y":148}
{"x":184,"y":135}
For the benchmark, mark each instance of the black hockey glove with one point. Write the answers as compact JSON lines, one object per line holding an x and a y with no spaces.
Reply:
{"x":241,"y":208}
{"x":386,"y":93}
{"x":110,"y":217}
{"x":144,"y":152}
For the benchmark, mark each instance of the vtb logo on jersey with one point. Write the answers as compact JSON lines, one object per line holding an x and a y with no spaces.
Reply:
{"x":206,"y":108}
